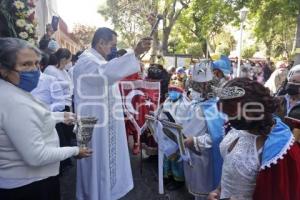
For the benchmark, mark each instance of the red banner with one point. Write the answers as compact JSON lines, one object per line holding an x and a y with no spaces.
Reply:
{"x":139,"y":98}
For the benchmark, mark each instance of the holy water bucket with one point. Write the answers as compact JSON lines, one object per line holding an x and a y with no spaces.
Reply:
{"x":84,"y":130}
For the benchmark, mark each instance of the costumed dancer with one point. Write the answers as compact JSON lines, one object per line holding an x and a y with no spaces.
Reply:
{"x":173,"y":111}
{"x":261,"y":159}
{"x":204,"y":131}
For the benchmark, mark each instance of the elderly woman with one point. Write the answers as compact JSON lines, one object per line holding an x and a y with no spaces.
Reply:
{"x":29,"y":144}
{"x":261,"y":159}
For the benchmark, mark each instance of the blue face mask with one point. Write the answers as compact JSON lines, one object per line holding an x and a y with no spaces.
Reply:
{"x":113,"y":53}
{"x":174,"y":95}
{"x":29,"y":80}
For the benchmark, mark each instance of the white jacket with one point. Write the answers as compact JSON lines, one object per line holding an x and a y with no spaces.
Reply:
{"x":29,"y":144}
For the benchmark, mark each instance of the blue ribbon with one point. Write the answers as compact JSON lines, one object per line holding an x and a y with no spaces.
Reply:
{"x":215,"y":122}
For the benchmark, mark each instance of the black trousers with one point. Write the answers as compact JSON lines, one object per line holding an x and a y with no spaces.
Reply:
{"x":47,"y":189}
{"x":65,"y":132}
{"x":66,"y":138}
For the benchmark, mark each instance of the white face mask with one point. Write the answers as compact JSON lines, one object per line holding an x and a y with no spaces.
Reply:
{"x":68,"y":66}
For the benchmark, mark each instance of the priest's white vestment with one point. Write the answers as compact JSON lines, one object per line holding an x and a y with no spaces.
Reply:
{"x":106,"y":175}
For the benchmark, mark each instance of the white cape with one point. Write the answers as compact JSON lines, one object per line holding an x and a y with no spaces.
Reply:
{"x":106,"y":175}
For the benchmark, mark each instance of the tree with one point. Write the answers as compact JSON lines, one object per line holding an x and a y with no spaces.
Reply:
{"x":248,"y":52}
{"x":275,"y":23}
{"x":223,"y":50}
{"x":191,"y":24}
{"x":129,"y":18}
{"x":222,"y":40}
{"x":172,"y":10}
{"x":204,"y":20}
{"x":83,"y":34}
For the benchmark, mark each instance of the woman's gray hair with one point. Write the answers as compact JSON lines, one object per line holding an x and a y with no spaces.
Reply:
{"x":9,"y":47}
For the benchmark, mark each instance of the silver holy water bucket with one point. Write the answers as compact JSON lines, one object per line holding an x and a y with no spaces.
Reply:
{"x":84,"y":130}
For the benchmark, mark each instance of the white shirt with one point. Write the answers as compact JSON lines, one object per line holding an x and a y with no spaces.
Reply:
{"x":70,"y":72}
{"x":64,"y":80}
{"x":49,"y":91}
{"x":29,"y":144}
{"x":241,"y":165}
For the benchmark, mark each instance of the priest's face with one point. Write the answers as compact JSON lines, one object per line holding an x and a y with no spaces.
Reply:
{"x":105,"y":47}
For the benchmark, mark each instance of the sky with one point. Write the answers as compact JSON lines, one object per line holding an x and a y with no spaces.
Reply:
{"x":82,"y":12}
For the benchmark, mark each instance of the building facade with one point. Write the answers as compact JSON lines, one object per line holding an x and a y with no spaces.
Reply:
{"x":45,"y":10}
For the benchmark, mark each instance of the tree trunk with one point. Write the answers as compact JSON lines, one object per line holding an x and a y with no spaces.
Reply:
{"x":268,"y":48}
{"x":297,"y":56}
{"x":204,"y":49}
{"x":166,"y":35}
{"x":155,"y":46}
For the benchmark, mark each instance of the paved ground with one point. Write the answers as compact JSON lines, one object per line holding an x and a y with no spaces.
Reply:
{"x":146,"y":184}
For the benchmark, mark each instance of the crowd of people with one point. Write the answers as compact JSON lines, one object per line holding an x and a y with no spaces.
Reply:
{"x":235,"y":128}
{"x":241,"y":129}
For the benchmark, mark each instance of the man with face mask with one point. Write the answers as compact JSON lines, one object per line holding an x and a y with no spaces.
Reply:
{"x":113,"y":54}
{"x":107,"y":175}
{"x":203,"y":127}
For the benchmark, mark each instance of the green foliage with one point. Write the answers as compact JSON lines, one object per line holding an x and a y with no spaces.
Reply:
{"x":248,"y":52}
{"x":83,"y":34}
{"x":223,"y":40}
{"x":209,"y":16}
{"x":195,"y":49}
{"x":7,"y":19}
{"x":274,"y":23}
{"x":223,"y":50}
{"x":189,"y":25}
{"x":203,"y":22}
{"x":129,"y":18}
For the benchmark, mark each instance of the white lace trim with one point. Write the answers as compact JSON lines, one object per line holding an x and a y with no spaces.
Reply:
{"x":283,"y":151}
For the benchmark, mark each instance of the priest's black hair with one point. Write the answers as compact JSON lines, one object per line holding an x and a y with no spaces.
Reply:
{"x":104,"y":34}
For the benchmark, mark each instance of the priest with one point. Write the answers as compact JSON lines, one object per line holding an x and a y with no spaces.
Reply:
{"x":107,"y":174}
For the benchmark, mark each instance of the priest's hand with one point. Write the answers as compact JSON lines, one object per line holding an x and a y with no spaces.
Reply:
{"x":83,"y":153}
{"x":69,"y":118}
{"x":143,"y":46}
{"x":189,"y":142}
